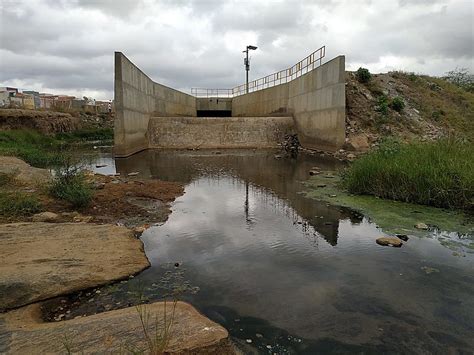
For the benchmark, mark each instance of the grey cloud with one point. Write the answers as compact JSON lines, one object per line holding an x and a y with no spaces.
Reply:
{"x":70,"y":44}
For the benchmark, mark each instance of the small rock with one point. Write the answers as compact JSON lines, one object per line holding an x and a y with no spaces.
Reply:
{"x":80,"y":218}
{"x":135,"y":173}
{"x":321,"y":185}
{"x":389,"y":241}
{"x":403,"y":237}
{"x":277,"y":156}
{"x":351,"y":156}
{"x":332,"y":195}
{"x":314,"y":172}
{"x":421,"y":225}
{"x":258,"y":335}
{"x":45,"y":217}
{"x":429,"y":270}
{"x":249,"y":341}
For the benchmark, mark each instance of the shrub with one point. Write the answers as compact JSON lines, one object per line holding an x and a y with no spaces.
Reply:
{"x":13,"y":204}
{"x":436,"y":173}
{"x":70,"y":184}
{"x":412,"y":77}
{"x":363,"y":75}
{"x":382,"y":105}
{"x":397,"y":104}
{"x":462,"y":78}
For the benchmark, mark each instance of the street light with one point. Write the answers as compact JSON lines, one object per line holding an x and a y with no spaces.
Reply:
{"x":247,"y":66}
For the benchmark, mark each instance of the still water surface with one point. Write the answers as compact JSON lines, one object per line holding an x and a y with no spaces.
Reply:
{"x":288,"y":274}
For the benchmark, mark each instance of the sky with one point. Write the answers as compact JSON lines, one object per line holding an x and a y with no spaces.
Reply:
{"x":67,"y":46}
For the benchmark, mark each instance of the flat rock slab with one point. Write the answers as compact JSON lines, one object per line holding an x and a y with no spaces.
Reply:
{"x":23,"y":172}
{"x":119,"y":331}
{"x":44,"y":260}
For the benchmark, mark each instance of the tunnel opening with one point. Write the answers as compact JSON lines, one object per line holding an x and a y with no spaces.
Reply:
{"x":214,"y":113}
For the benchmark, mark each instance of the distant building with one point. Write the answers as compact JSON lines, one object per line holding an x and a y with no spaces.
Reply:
{"x":36,"y":97}
{"x":64,"y":102}
{"x":46,"y":101}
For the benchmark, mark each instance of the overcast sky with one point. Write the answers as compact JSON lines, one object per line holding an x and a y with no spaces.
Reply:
{"x":67,"y":46}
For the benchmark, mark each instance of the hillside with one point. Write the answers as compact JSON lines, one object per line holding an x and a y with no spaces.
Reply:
{"x":433,"y":108}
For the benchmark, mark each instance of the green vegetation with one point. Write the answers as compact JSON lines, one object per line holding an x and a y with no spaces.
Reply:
{"x":34,"y":148}
{"x":85,"y":135}
{"x":382,"y":105}
{"x":461,"y":78}
{"x":439,"y":174}
{"x":363,"y":75}
{"x":15,"y":204}
{"x":441,"y":100}
{"x":392,"y":216}
{"x":71,"y":185}
{"x":397,"y":104}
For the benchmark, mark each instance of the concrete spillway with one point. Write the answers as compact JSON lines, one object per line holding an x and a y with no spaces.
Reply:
{"x":151,"y":115}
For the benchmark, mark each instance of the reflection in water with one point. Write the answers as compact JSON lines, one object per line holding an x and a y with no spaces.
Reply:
{"x":292,"y":274}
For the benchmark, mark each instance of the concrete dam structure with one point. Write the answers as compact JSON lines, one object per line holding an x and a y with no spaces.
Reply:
{"x":311,"y":104}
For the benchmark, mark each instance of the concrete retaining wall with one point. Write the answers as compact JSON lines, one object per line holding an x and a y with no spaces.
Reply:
{"x":316,"y":100}
{"x":216,"y":132}
{"x":137,"y":98}
{"x":266,"y":102}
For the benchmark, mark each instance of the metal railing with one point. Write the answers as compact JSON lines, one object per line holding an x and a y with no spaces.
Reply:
{"x":202,"y":92}
{"x":312,"y":61}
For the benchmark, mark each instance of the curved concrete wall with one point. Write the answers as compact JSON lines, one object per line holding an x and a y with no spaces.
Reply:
{"x":137,"y":98}
{"x":317,"y":101}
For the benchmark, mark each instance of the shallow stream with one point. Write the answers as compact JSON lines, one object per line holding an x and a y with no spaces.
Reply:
{"x":288,"y":274}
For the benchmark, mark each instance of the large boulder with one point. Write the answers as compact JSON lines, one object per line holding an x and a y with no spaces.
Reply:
{"x":114,"y":332}
{"x":44,"y":260}
{"x":357,"y":143}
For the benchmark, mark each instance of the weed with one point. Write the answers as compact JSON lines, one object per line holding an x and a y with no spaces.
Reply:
{"x":100,"y":134}
{"x":437,"y":174}
{"x":14,"y":204}
{"x":397,"y":104}
{"x":70,"y":184}
{"x":412,"y":77}
{"x":382,"y":105}
{"x":363,"y":75}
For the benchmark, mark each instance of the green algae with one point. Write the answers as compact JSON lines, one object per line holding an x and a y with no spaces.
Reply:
{"x":454,"y":229}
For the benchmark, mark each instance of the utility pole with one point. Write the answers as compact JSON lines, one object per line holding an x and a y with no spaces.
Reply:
{"x":247,"y":66}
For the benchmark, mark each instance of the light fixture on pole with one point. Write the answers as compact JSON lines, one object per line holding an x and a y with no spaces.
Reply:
{"x":247,"y":65}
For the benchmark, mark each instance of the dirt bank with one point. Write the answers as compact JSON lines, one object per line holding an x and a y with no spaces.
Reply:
{"x":23,"y":332}
{"x":46,"y":122}
{"x":43,"y":260}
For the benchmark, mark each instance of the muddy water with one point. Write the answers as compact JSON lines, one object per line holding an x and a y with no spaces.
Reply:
{"x":287,"y":274}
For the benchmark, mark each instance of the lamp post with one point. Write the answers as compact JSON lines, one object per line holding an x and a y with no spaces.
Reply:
{"x":247,"y":66}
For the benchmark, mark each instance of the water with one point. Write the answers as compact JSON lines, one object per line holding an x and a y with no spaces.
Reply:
{"x":287,"y":274}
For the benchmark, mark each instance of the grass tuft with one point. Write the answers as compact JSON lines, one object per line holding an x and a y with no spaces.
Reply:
{"x":439,"y":174}
{"x":15,"y":204}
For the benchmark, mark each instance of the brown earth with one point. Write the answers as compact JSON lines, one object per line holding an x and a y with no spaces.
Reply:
{"x":23,"y":332}
{"x":47,"y":122}
{"x":44,"y":260}
{"x":130,"y":200}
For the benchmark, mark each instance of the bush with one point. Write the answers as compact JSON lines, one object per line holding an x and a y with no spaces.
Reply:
{"x":84,"y":135}
{"x":382,"y":105}
{"x":14,"y":204}
{"x":462,"y":78}
{"x":436,"y":173}
{"x":397,"y":104}
{"x":71,"y":185}
{"x":363,"y":75}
